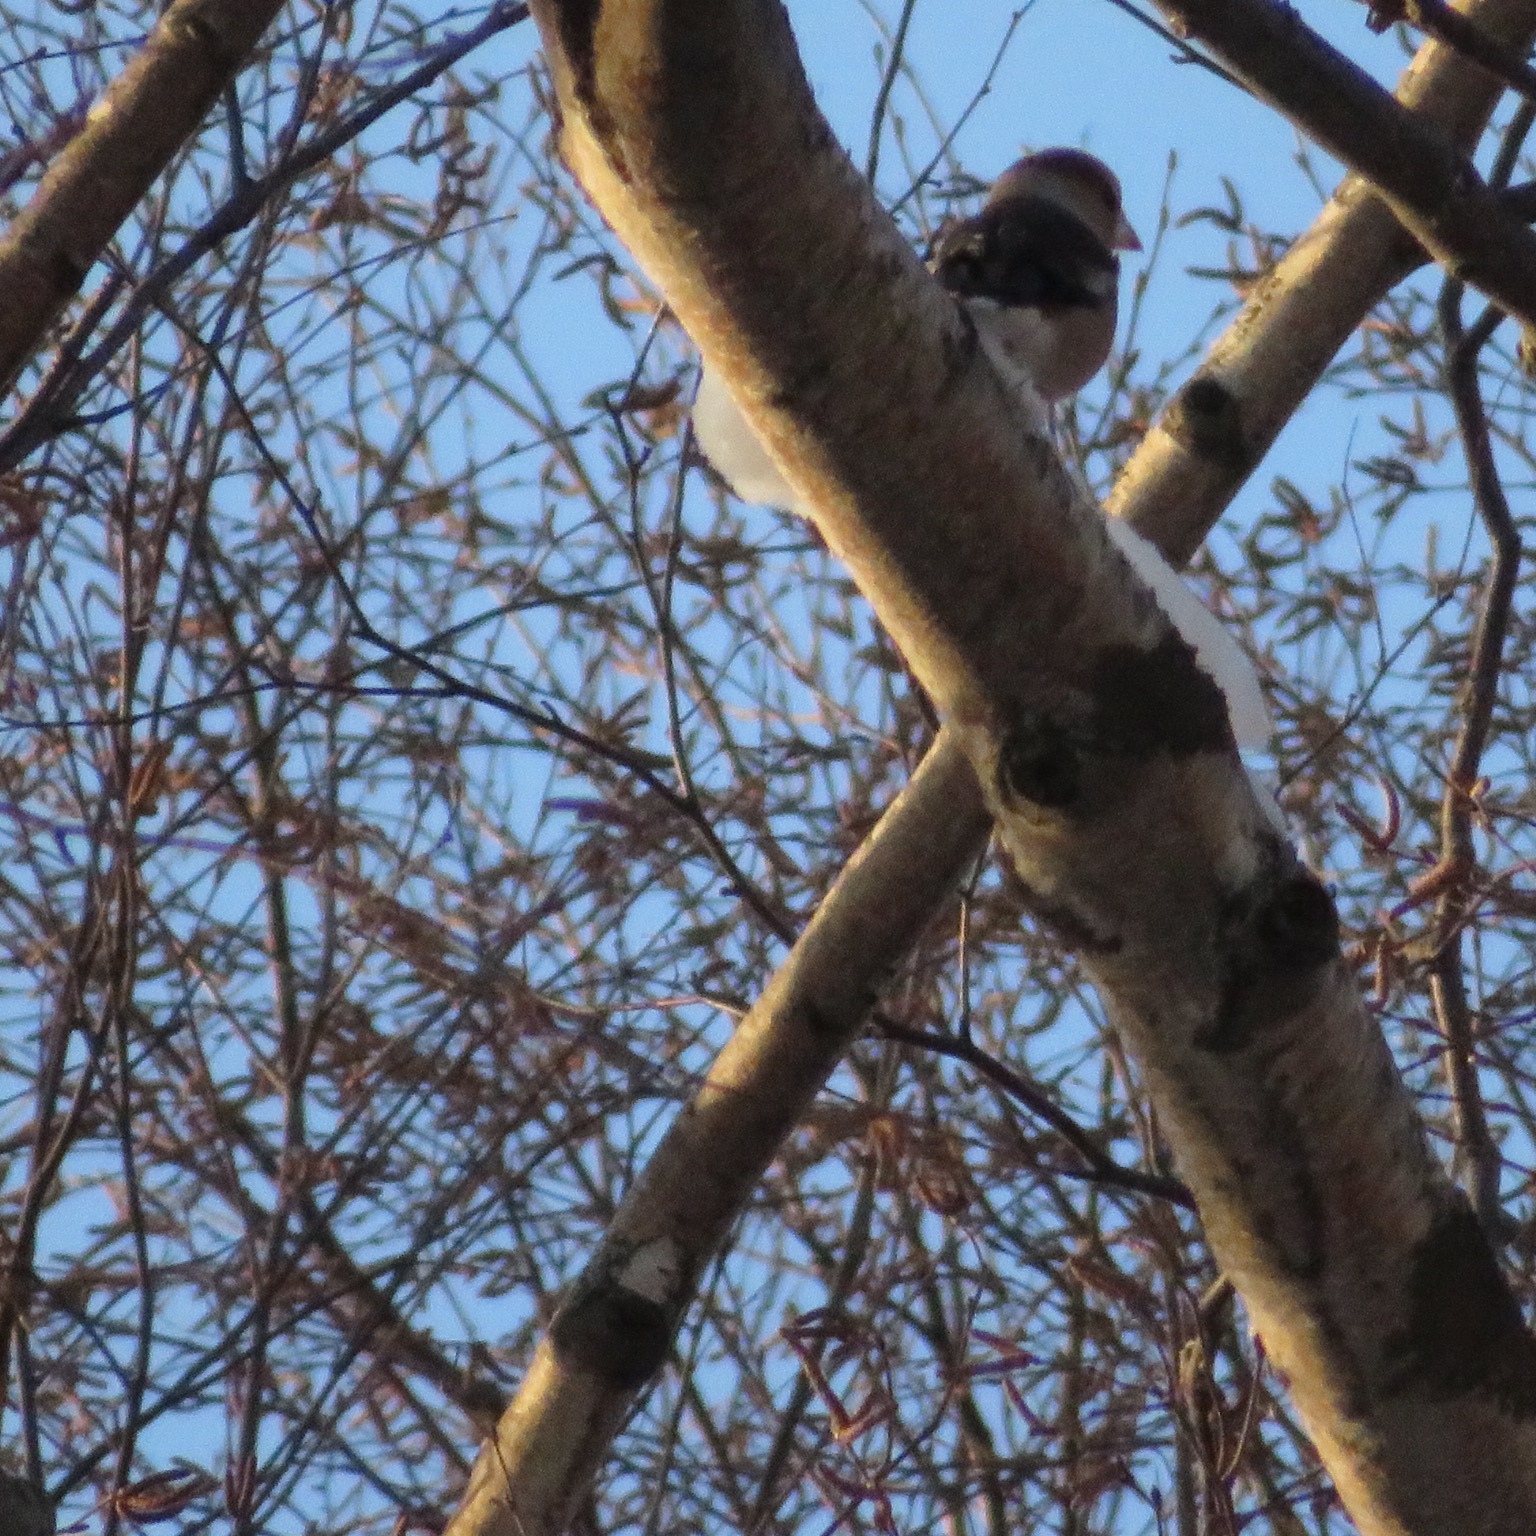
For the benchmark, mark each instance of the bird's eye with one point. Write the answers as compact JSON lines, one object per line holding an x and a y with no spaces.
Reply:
{"x":963,"y":266}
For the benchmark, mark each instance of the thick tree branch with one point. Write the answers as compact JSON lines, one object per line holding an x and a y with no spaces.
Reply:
{"x":1442,"y":20}
{"x":566,"y":1408}
{"x":130,"y":136}
{"x":1222,"y":423}
{"x":1432,"y":187}
{"x":616,"y":1328}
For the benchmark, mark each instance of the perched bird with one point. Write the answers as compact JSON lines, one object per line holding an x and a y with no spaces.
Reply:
{"x":1038,"y":273}
{"x":1036,"y":270}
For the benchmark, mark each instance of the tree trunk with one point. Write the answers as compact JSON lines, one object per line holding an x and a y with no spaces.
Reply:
{"x":1101,"y":749}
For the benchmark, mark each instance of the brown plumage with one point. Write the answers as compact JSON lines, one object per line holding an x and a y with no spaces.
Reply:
{"x":1037,"y":267}
{"x":1036,"y":270}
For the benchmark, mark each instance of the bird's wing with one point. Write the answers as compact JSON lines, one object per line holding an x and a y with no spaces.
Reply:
{"x":731,"y":446}
{"x":1217,"y":652}
{"x":1027,"y":251}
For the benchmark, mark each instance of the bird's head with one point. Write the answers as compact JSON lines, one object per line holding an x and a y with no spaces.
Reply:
{"x":1077,"y":181}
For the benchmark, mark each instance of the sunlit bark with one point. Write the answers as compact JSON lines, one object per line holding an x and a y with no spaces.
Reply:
{"x":1217,"y":955}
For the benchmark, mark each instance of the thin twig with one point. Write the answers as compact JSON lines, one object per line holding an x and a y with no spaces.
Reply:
{"x":1457,"y":851}
{"x":778,"y":923}
{"x":45,"y":413}
{"x":1102,"y":1168}
{"x":887,"y":85}
{"x":1183,"y":52}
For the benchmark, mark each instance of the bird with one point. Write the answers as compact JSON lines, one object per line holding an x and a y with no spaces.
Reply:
{"x":1037,"y":270}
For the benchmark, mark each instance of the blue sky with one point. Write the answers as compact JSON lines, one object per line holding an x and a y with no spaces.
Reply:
{"x":1078,"y":72}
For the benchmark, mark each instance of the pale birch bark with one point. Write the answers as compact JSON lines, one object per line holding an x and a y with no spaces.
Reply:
{"x":614,"y":1331}
{"x":1430,"y":183}
{"x":1251,"y":1035}
{"x":1224,"y":420}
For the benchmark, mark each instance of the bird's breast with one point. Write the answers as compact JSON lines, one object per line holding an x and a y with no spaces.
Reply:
{"x":1059,"y":349}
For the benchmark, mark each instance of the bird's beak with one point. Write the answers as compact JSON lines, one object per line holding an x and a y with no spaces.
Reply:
{"x":1126,"y":238}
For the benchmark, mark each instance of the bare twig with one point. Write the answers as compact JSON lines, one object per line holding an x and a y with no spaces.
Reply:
{"x":1458,"y":853}
{"x":131,"y":134}
{"x":1311,"y":1169}
{"x":1101,"y":1167}
{"x":47,"y":412}
{"x":1221,"y":423}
